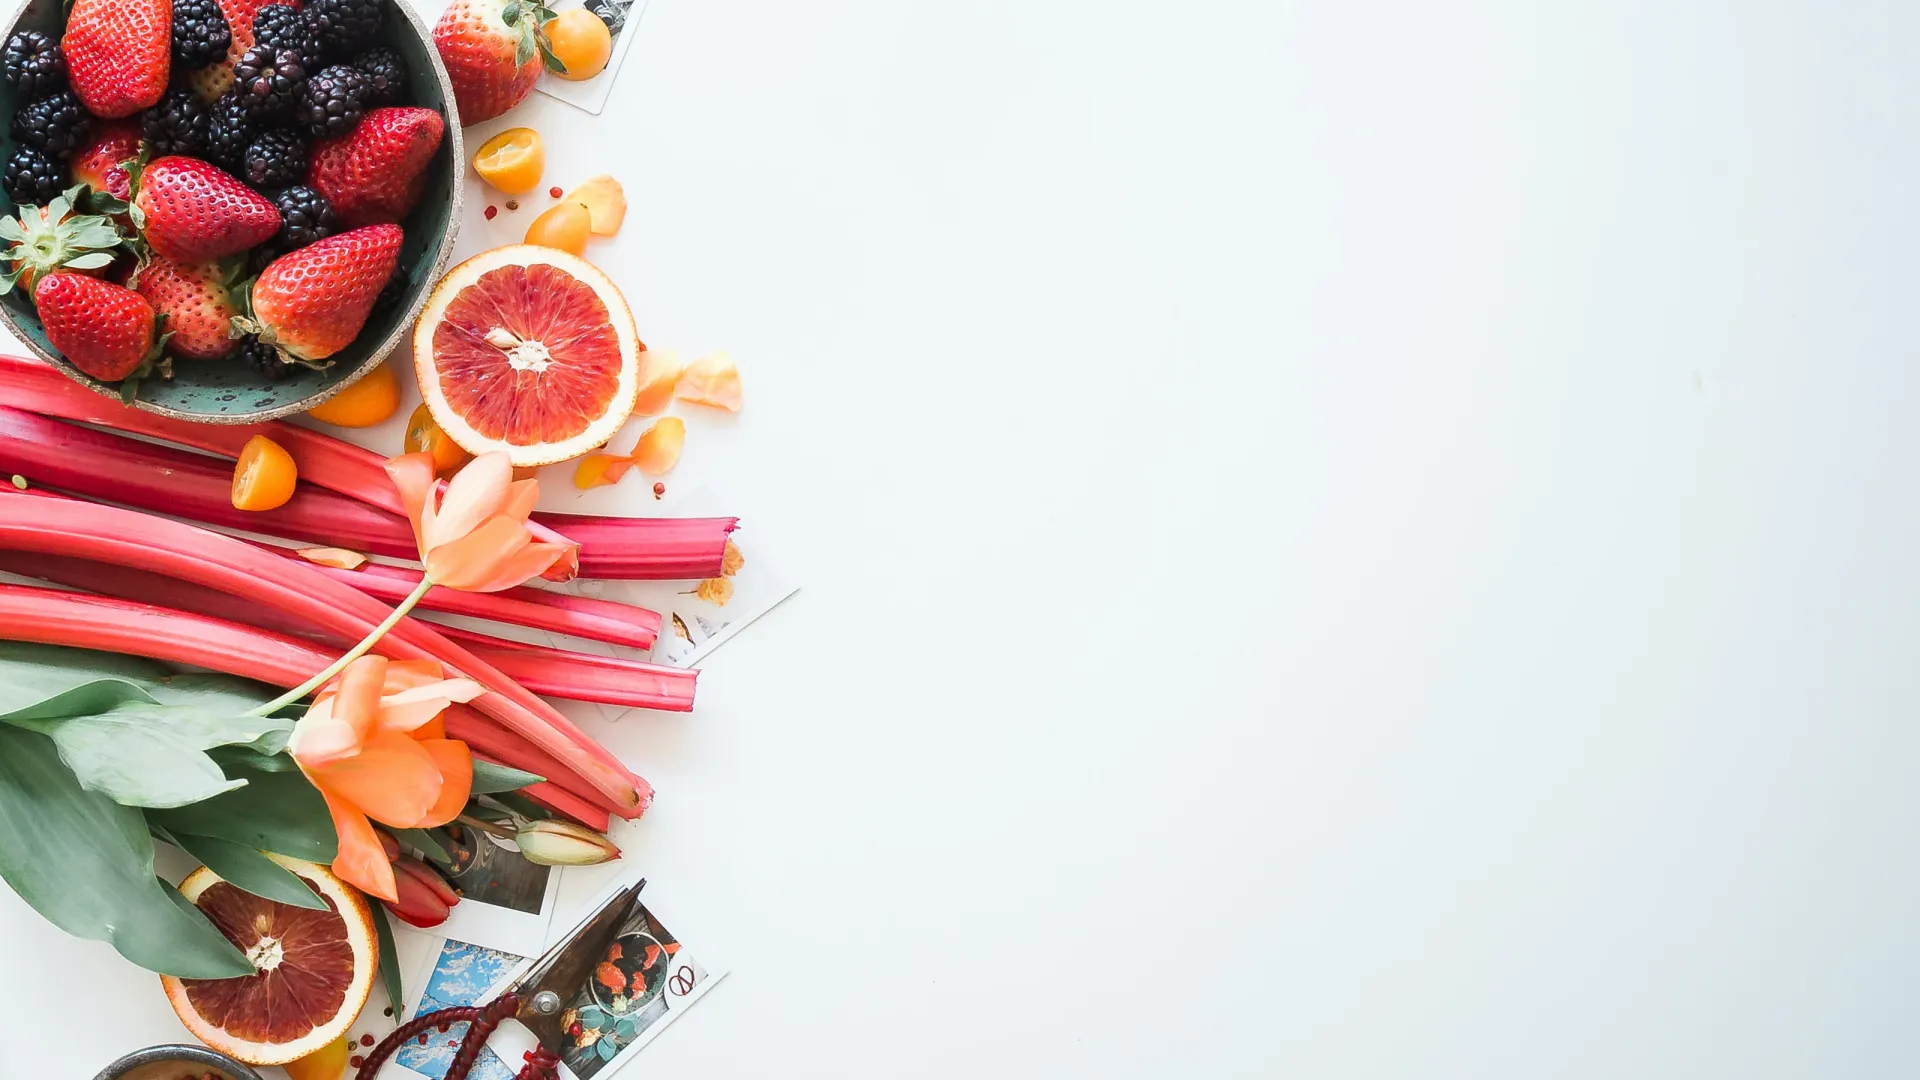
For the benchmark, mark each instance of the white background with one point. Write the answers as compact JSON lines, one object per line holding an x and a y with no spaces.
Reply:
{"x":1353,"y":539}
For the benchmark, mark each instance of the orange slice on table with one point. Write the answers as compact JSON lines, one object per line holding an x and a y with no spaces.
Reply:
{"x":528,"y":350}
{"x":316,"y":968}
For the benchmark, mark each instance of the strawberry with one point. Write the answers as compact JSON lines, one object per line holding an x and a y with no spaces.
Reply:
{"x":101,"y":163}
{"x":311,"y":303}
{"x":373,"y":175}
{"x":211,"y":81}
{"x":190,"y":211}
{"x":493,"y":50}
{"x":194,"y":300}
{"x":105,"y":330}
{"x":119,"y":53}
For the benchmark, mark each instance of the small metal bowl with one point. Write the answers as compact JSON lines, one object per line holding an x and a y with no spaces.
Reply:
{"x":176,"y":1061}
{"x":228,"y":391}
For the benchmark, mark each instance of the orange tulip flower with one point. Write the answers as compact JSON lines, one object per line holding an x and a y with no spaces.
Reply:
{"x":374,"y":744}
{"x":474,"y":537}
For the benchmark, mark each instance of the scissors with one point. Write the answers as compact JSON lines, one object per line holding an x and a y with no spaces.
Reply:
{"x":537,"y":998}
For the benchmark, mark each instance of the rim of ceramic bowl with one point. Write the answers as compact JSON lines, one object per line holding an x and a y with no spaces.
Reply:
{"x":182,"y":1053}
{"x":402,"y":330}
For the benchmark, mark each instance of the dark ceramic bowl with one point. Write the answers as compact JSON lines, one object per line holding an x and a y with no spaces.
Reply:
{"x":176,"y":1062}
{"x":228,"y":391}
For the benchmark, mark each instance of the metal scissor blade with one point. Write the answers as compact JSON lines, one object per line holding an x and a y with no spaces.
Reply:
{"x":558,"y":975}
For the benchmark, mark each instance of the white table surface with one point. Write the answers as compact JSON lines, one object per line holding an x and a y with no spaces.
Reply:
{"x":1365,"y":539}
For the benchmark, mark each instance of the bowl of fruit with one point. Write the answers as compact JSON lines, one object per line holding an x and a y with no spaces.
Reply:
{"x":222,"y":210}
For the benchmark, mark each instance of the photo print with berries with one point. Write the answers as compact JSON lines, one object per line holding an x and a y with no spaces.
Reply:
{"x":644,"y":981}
{"x":622,"y":18}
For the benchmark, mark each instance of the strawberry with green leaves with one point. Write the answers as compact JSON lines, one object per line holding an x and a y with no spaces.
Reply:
{"x":43,"y":239}
{"x":195,"y":304}
{"x":493,"y":51}
{"x":374,"y":174}
{"x":105,"y":330}
{"x":119,"y":54}
{"x":101,"y":162}
{"x":190,"y":211}
{"x":311,"y":303}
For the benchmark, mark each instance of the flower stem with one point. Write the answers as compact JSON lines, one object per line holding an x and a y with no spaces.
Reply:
{"x":350,"y":655}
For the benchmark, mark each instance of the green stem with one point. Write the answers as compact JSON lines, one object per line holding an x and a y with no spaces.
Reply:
{"x":350,"y":655}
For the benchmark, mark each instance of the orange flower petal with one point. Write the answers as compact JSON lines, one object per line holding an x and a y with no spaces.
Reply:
{"x":408,"y":709}
{"x":392,"y":780}
{"x":463,"y":563}
{"x":338,"y":558}
{"x":659,"y":447}
{"x":413,"y":478}
{"x":360,"y":862}
{"x":711,"y":380}
{"x":596,"y":470}
{"x":456,"y":772}
{"x":435,"y":728}
{"x":476,"y":493}
{"x":407,"y":674}
{"x":336,"y":727}
{"x":659,"y":374}
{"x":521,"y":495}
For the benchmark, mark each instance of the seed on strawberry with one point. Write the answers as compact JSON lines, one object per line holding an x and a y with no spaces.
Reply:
{"x":375,"y":174}
{"x":105,"y":330}
{"x":493,"y":51}
{"x":195,"y":304}
{"x":119,"y":53}
{"x":311,"y":303}
{"x":190,"y":211}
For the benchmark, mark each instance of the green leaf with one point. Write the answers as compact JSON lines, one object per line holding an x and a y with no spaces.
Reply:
{"x":521,"y":805}
{"x":548,"y":57}
{"x":389,"y":957}
{"x":277,"y":811}
{"x":141,"y":753}
{"x":211,"y":691}
{"x":625,"y":1027}
{"x":247,"y":757}
{"x":93,"y":260}
{"x":85,"y":863}
{"x":245,"y":868}
{"x":30,"y":674}
{"x":423,"y":840}
{"x":489,"y":778}
{"x":523,"y":52}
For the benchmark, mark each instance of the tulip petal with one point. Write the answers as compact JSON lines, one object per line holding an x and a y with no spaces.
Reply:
{"x":408,"y":709}
{"x":475,"y":494}
{"x":497,"y":555}
{"x":413,"y":478}
{"x":338,"y":558}
{"x":456,"y":774}
{"x":407,"y":674}
{"x":337,"y":725}
{"x":392,"y":780}
{"x":360,"y":861}
{"x":595,"y":470}
{"x":711,"y":380}
{"x":659,"y":374}
{"x":521,"y":495}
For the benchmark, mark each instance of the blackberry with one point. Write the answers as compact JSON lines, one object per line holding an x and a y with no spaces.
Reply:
{"x":230,"y":128}
{"x":388,"y":74}
{"x":305,"y":216}
{"x":266,"y":360}
{"x":345,"y":27}
{"x":276,"y":159}
{"x":177,"y":125}
{"x":393,"y":293}
{"x":273,"y":80}
{"x":57,"y":124}
{"x":285,"y":28}
{"x":35,"y":66}
{"x":200,"y":33}
{"x":32,"y":178}
{"x":334,"y":101}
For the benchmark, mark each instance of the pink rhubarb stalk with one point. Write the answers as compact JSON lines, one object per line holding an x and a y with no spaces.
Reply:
{"x":127,"y":538}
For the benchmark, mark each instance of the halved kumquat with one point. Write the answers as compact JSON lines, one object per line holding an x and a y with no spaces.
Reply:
{"x":264,"y":477}
{"x":512,"y":161}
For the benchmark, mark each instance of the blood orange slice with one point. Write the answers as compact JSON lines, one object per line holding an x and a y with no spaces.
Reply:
{"x":529,"y":350}
{"x":316,"y":968}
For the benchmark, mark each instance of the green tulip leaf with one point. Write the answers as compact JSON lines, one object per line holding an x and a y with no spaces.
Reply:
{"x":425,"y":842}
{"x":139,"y":752}
{"x":245,"y":868}
{"x":489,"y":778}
{"x":389,"y":957}
{"x":30,"y":674}
{"x":277,"y":811}
{"x":85,"y":863}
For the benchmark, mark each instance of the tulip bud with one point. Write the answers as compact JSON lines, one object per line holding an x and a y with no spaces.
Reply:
{"x":562,"y":843}
{"x":425,"y":898}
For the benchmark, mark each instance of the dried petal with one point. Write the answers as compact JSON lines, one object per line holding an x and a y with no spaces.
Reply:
{"x":715,"y":590}
{"x":711,"y":380}
{"x":338,"y":558}
{"x":596,"y":470}
{"x":731,"y":560}
{"x":659,"y":375}
{"x":659,"y":447}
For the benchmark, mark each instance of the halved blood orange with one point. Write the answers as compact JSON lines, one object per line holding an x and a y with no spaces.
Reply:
{"x":529,"y":350}
{"x":316,"y":968}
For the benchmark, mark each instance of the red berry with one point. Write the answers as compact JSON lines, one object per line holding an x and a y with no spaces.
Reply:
{"x":554,"y":192}
{"x":492,"y":212}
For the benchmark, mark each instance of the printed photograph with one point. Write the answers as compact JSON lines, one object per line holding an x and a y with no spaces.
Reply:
{"x":488,"y":870}
{"x":462,"y":975}
{"x":628,"y":994}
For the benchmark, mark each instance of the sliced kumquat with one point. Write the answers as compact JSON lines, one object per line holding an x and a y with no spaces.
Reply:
{"x":512,"y":161}
{"x":424,"y":434}
{"x":363,"y":404}
{"x":565,"y":225}
{"x":711,"y":380}
{"x":581,"y":41}
{"x":264,"y":477}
